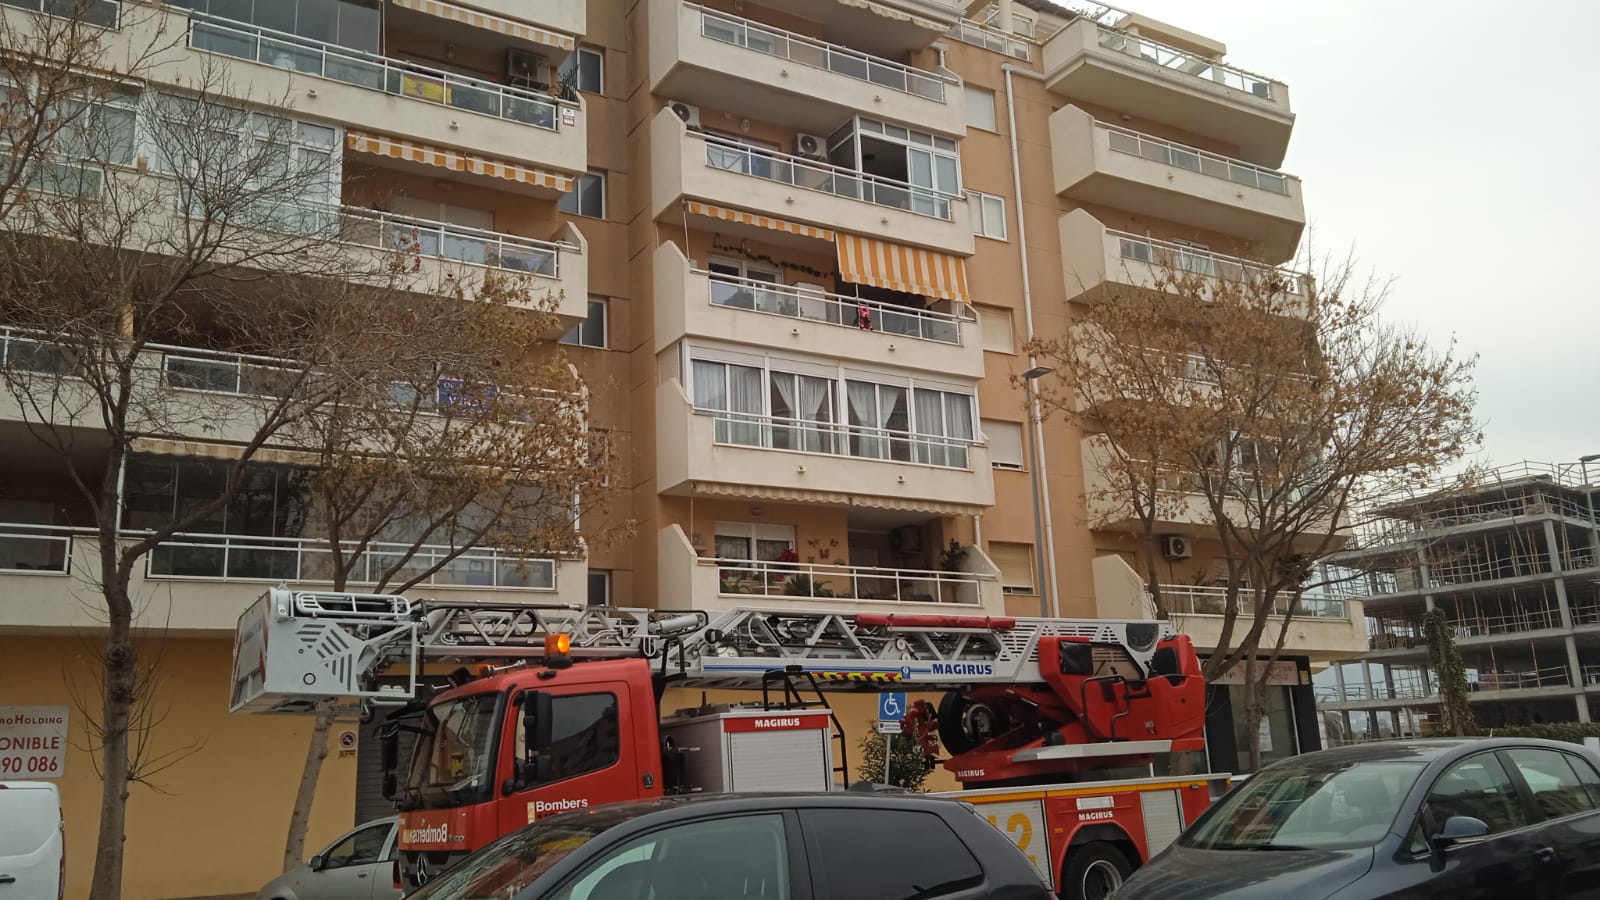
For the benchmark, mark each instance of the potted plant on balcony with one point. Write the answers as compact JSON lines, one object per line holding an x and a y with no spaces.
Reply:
{"x":951,"y":560}
{"x":804,"y":586}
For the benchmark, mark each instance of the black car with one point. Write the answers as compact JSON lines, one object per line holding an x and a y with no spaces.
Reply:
{"x":844,"y":846}
{"x":1457,"y":819}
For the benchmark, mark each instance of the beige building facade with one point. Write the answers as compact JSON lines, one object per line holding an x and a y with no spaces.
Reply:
{"x":800,"y":246}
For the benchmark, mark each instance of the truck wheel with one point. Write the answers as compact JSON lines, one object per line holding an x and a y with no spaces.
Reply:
{"x":1093,"y":871}
{"x":952,"y":708}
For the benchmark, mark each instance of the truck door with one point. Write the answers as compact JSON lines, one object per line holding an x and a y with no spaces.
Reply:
{"x":593,"y":756}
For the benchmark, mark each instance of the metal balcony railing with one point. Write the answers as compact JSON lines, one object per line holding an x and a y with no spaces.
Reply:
{"x":1208,"y":600}
{"x":1134,"y":143}
{"x":807,"y":51}
{"x":1186,"y":258}
{"x":811,"y":175}
{"x":378,"y":73}
{"x":747,"y":577}
{"x":980,"y":35}
{"x":1185,"y":63}
{"x":35,"y":549}
{"x":834,"y":309}
{"x":838,"y":439}
{"x":441,"y":240}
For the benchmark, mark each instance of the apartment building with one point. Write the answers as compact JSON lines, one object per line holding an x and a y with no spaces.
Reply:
{"x":1511,"y":561}
{"x":800,"y":246}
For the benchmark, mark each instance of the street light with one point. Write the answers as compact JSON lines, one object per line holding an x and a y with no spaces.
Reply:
{"x":1036,"y":433}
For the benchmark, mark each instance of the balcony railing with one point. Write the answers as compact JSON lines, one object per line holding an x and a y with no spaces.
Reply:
{"x":310,"y":561}
{"x":838,"y":439}
{"x":1182,"y":157}
{"x":806,"y":51}
{"x":1207,"y":600}
{"x":981,"y":35}
{"x":1552,"y":676}
{"x":1188,"y":64}
{"x":377,"y":73}
{"x":105,"y":13}
{"x":35,"y":549}
{"x":834,"y":309}
{"x":440,"y":240}
{"x":1186,"y":258}
{"x":1329,"y":693}
{"x":732,"y":156}
{"x":746,"y":577}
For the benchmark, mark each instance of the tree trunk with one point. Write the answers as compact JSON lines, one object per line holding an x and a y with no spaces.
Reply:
{"x":1254,"y":711}
{"x":120,"y":674}
{"x":300,"y":819}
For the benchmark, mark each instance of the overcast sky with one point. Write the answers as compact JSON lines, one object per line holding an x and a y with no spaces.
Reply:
{"x":1455,"y":146}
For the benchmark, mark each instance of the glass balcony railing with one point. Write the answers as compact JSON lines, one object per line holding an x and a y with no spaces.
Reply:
{"x":981,"y":35}
{"x":1205,"y":600}
{"x":35,"y":549}
{"x":839,"y":439}
{"x":440,"y":240}
{"x":377,"y":73}
{"x":811,"y":175}
{"x":754,"y":577}
{"x":251,"y":558}
{"x":1182,"y":157}
{"x":1185,"y":63}
{"x":834,"y":309}
{"x":104,"y":13}
{"x":1200,"y":261}
{"x":806,"y":51}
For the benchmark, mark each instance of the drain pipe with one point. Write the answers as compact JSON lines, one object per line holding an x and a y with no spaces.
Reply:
{"x":1048,"y":551}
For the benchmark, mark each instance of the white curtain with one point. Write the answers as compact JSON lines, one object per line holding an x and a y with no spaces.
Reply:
{"x":865,"y":439}
{"x":710,"y":385}
{"x":958,"y":424}
{"x":893,"y":405}
{"x":816,"y":405}
{"x":785,"y":407}
{"x":744,"y":398}
{"x":930,"y":422}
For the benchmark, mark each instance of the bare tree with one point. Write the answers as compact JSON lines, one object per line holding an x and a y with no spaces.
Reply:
{"x":1262,"y":407}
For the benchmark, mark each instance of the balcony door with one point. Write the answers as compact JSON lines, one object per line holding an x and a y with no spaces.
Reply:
{"x":468,"y":240}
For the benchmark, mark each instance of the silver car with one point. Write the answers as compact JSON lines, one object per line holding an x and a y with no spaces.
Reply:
{"x":357,"y":866}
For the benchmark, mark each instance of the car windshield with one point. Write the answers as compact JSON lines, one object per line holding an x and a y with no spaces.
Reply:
{"x":506,"y":867}
{"x":1307,"y":806}
{"x":453,"y":763}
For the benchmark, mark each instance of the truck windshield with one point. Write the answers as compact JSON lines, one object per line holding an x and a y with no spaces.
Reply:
{"x":1307,"y":806}
{"x":453,"y":763}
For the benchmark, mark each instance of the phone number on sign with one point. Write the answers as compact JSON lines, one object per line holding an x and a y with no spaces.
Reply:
{"x":29,"y":765}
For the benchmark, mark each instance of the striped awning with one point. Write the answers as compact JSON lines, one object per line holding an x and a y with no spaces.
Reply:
{"x":454,"y":160}
{"x":834,"y":498}
{"x":491,"y":22}
{"x":157,"y":446}
{"x":696,"y":208}
{"x":889,"y":12}
{"x":864,"y":260}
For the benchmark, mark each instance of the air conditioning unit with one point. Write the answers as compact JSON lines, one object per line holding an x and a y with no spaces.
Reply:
{"x":688,"y":113}
{"x":906,"y":539}
{"x":524,"y":66}
{"x":1175,"y":546}
{"x":810,"y":146}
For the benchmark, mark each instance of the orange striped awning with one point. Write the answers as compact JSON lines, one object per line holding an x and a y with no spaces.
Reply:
{"x":696,"y":208}
{"x":491,"y":22}
{"x":455,"y":160}
{"x":864,"y":260}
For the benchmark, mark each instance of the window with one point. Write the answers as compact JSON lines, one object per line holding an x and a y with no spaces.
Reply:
{"x":942,"y":414}
{"x":980,"y":107}
{"x":881,"y":854}
{"x":1479,"y":787}
{"x":361,"y":848}
{"x":996,"y":326}
{"x":1304,"y":805}
{"x":1005,"y":443}
{"x":748,"y":540}
{"x":599,"y":587}
{"x":1551,"y":777}
{"x":1015,"y":562}
{"x":989,"y":215}
{"x":585,"y":735}
{"x":726,"y":859}
{"x":591,"y":332}
{"x":585,"y":70}
{"x":587,"y":197}
{"x":734,"y":392}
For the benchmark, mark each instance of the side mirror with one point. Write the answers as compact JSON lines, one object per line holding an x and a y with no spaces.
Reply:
{"x":538,"y":717}
{"x":1458,"y":830}
{"x":317,"y":863}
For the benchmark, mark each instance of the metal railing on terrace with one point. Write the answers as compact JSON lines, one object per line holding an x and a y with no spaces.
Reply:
{"x":1209,"y":600}
{"x":980,"y":35}
{"x":1329,"y":693}
{"x":35,"y":549}
{"x":746,"y":577}
{"x":1185,"y":63}
{"x":378,"y":73}
{"x":104,"y":13}
{"x":1187,"y":258}
{"x":770,"y":165}
{"x":441,"y":240}
{"x":817,"y":54}
{"x":215,"y":557}
{"x":835,"y":309}
{"x":1134,"y":143}
{"x":839,"y":439}
{"x":1550,"y":676}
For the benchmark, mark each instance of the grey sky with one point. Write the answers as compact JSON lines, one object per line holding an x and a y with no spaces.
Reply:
{"x":1455,"y":146}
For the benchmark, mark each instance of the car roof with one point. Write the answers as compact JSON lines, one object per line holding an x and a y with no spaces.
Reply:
{"x":698,"y":805}
{"x":1426,"y":750}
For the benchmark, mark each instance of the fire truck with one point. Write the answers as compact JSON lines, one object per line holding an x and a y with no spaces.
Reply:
{"x":548,"y":709}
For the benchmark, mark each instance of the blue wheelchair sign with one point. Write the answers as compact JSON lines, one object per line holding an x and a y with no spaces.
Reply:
{"x":892,"y":706}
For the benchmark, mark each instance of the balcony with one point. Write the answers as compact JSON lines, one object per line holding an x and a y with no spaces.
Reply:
{"x":387,"y":96}
{"x":721,"y":584}
{"x":891,"y":28}
{"x":200,"y":583}
{"x":1150,"y":80}
{"x":756,"y":70}
{"x":755,"y":456}
{"x":686,"y":164}
{"x":1100,"y":263}
{"x":695,"y":302}
{"x":1122,"y":169}
{"x":567,"y":16}
{"x":980,"y":34}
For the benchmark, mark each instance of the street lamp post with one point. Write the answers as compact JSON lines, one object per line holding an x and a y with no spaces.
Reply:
{"x":1035,"y":438}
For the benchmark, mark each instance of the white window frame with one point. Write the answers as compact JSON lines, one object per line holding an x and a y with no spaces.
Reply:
{"x":577,"y":332}
{"x":968,"y":90}
{"x":992,"y":427}
{"x":986,"y":312}
{"x":577,"y":68}
{"x":606,"y":577}
{"x":981,"y":224}
{"x":1033,"y":569}
{"x":577,"y":185}
{"x":754,"y":533}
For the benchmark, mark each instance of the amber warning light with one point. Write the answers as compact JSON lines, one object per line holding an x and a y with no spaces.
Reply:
{"x":556,"y":650}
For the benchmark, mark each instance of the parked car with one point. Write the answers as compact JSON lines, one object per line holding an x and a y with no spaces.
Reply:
{"x":33,"y":853}
{"x":1462,"y":819}
{"x":357,"y":866}
{"x":841,"y":846}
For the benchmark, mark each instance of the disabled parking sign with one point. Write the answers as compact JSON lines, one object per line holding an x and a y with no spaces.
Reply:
{"x":891,"y":709}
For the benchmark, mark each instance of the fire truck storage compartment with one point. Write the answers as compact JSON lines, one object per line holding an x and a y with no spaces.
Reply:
{"x":754,"y":750}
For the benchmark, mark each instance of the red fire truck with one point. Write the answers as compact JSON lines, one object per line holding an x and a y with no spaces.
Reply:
{"x":1032,"y":711}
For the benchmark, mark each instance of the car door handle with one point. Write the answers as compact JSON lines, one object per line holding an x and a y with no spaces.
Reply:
{"x":362,"y":874}
{"x":8,"y":879}
{"x":1545,"y":854}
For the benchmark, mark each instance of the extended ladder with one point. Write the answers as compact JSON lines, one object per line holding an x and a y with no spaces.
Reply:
{"x":296,"y":650}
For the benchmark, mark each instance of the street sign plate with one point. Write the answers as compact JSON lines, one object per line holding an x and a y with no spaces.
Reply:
{"x":889,"y":728}
{"x":892,"y":707}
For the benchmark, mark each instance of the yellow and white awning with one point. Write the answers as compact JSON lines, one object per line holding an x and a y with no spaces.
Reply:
{"x":896,"y":267}
{"x":696,"y":208}
{"x":158,"y":446}
{"x":833,"y":498}
{"x":490,"y":22}
{"x":889,"y":12}
{"x":454,"y":160}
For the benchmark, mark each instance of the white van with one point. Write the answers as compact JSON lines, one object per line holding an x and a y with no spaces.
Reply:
{"x":33,"y":854}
